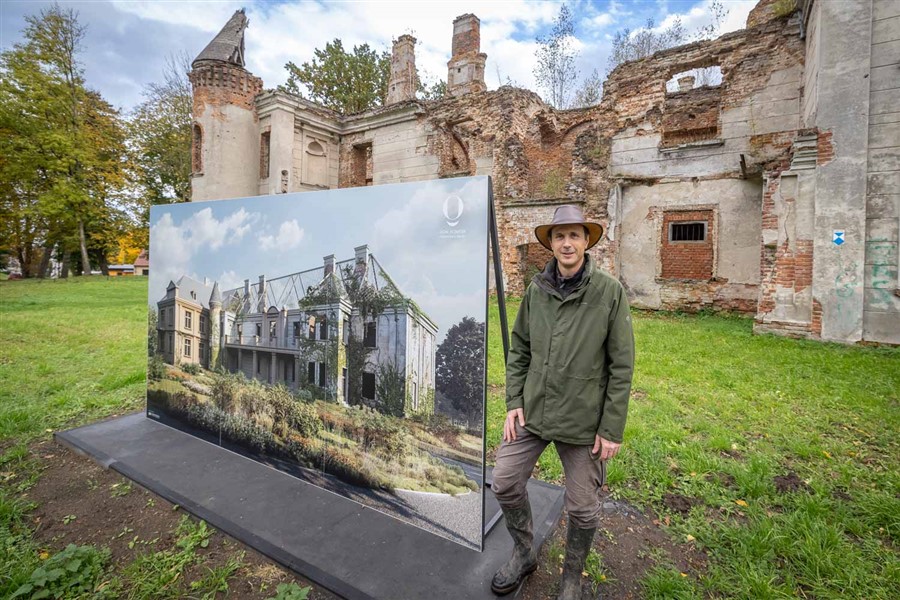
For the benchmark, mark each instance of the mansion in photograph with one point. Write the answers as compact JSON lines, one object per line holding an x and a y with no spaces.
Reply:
{"x":303,"y":330}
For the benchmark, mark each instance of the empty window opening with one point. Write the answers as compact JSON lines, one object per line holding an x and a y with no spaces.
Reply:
{"x":197,"y":150}
{"x":695,"y":78}
{"x":264,"y":147}
{"x":368,"y":386}
{"x":370,"y":335}
{"x":361,"y":165}
{"x":692,"y":231}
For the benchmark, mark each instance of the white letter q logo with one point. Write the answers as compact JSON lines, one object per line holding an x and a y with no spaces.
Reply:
{"x":453,"y":205}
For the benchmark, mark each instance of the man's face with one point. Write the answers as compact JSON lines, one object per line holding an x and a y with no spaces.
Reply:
{"x":568,"y":243}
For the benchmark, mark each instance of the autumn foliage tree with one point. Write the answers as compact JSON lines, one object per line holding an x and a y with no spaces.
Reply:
{"x":62,"y":149}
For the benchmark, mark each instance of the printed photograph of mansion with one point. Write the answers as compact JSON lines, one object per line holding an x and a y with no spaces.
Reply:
{"x":342,"y":331}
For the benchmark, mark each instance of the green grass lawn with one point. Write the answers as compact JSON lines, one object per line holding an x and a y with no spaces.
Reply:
{"x":717,"y":414}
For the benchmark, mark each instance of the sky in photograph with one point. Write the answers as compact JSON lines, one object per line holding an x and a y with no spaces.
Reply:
{"x":442,"y":267}
{"x":128,"y":41}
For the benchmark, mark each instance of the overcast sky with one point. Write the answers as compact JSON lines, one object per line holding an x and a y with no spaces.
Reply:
{"x":127,"y":42}
{"x":441,"y":266}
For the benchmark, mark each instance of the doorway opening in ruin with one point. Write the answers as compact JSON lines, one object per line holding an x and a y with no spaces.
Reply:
{"x":361,"y":165}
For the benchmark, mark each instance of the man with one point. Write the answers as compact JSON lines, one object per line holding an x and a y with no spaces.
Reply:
{"x":568,"y":378}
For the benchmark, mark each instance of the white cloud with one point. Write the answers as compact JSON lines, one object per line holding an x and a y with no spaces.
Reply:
{"x":175,"y":245}
{"x":600,"y":21}
{"x":289,"y":236}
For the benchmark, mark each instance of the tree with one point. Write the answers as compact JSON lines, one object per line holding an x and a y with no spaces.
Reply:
{"x":346,"y":82}
{"x":160,"y":132}
{"x":434,"y":91}
{"x":459,"y":366}
{"x":631,"y":45}
{"x":62,"y":145}
{"x":555,"y":71}
{"x":590,"y":92}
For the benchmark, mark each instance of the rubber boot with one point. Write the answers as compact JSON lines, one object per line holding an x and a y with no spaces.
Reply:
{"x":578,"y":545}
{"x":523,"y":561}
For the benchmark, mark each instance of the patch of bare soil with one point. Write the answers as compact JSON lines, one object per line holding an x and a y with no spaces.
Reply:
{"x":791,"y":483}
{"x":630,"y":543}
{"x":723,"y":479}
{"x":680,"y":504}
{"x":80,"y":502}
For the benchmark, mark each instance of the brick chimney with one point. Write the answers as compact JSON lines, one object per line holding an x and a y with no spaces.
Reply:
{"x":465,"y":71}
{"x":402,"y":84}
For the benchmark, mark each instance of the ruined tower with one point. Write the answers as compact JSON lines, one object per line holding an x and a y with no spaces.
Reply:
{"x":465,"y":70}
{"x":403,"y":81}
{"x":225,"y":140}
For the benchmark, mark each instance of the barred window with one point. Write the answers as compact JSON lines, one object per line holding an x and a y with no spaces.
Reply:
{"x":688,"y":231}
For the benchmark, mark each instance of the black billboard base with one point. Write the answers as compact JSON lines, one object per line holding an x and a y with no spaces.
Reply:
{"x":341,"y":545}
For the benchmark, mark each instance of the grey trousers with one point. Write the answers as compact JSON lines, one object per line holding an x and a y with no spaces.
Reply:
{"x":585,"y":475}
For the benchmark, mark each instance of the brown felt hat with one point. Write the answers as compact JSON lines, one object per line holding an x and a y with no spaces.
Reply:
{"x":568,"y":215}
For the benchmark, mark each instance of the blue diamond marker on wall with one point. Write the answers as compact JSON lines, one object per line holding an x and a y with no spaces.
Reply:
{"x":838,"y":238}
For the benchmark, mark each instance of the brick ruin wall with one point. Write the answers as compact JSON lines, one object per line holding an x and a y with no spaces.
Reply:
{"x":540,"y":157}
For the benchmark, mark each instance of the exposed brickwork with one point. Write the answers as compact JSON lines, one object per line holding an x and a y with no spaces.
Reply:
{"x":532,"y":259}
{"x":691,"y":116}
{"x":824,"y":148}
{"x":687,"y":260}
{"x":465,"y":70}
{"x":219,"y":84}
{"x":540,"y":157}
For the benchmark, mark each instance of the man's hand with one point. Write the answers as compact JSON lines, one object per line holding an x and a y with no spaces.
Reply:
{"x":606,"y":448}
{"x":509,"y":426}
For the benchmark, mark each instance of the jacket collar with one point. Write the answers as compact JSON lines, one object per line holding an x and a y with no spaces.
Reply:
{"x":546,"y":279}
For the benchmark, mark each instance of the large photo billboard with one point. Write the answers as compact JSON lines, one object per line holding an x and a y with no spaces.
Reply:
{"x":338,"y":336}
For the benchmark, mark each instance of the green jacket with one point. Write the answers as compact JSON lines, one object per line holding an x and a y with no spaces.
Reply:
{"x":571,"y":361}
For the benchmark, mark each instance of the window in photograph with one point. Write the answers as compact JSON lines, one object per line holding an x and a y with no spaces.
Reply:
{"x":201,"y":351}
{"x":312,"y":328}
{"x":311,"y":372}
{"x":187,"y":347}
{"x":369,"y":338}
{"x":368,"y":386}
{"x":187,"y":319}
{"x":259,"y":330}
{"x":323,"y":328}
{"x":346,"y":333}
{"x":323,"y":375}
{"x":271,"y":330}
{"x":202,"y":323}
{"x":240,"y":331}
{"x":297,"y":330}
